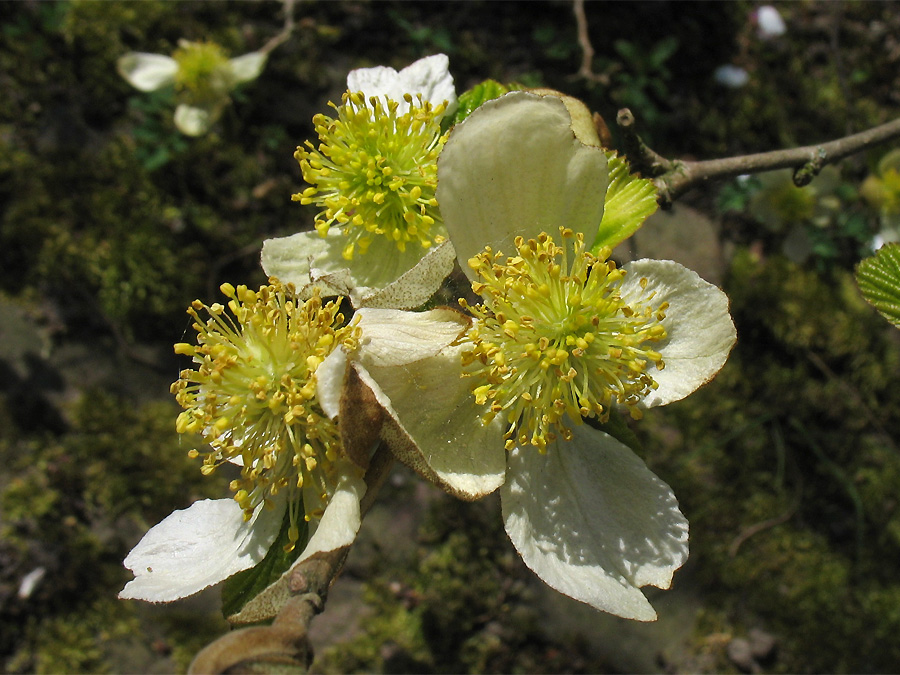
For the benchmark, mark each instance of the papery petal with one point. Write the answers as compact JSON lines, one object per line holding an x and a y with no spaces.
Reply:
{"x":147,"y":72}
{"x":193,"y":121}
{"x":429,"y":77}
{"x":336,"y":529}
{"x":330,"y":382}
{"x":435,"y":426}
{"x":198,"y":547}
{"x":514,"y":168}
{"x":391,"y":337}
{"x":248,"y":67}
{"x":700,"y":330}
{"x":591,"y":520}
{"x":382,"y":277}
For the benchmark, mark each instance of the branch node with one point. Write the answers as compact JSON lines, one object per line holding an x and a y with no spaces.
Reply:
{"x":643,"y":158}
{"x":803,"y":175}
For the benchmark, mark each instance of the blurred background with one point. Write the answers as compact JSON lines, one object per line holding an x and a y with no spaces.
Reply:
{"x":112,"y":222}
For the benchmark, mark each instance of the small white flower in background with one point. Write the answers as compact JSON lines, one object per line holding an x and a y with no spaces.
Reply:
{"x":30,"y":582}
{"x":769,"y":23}
{"x":562,"y":336}
{"x":733,"y":77}
{"x":203,"y":77}
{"x":380,"y":239}
{"x":253,"y":398}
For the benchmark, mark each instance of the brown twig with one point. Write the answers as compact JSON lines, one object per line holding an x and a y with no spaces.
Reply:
{"x":285,"y":34}
{"x":587,"y":50}
{"x":675,"y":177}
{"x":284,"y":646}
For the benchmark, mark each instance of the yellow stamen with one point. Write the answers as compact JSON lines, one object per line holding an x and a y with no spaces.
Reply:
{"x":554,"y":338}
{"x":252,"y":394}
{"x":374,"y":171}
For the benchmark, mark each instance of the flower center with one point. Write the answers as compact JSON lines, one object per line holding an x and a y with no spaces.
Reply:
{"x":252,"y":396}
{"x":375,"y":171}
{"x":555,"y":338}
{"x":203,"y":71}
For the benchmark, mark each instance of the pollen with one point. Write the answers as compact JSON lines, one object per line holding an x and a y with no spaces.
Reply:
{"x":374,"y":171}
{"x":554,"y":342}
{"x":251,"y":395}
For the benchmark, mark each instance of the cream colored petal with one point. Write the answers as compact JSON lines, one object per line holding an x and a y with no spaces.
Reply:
{"x":700,"y":330}
{"x":382,"y":277}
{"x":391,"y":337}
{"x":435,"y":426}
{"x":147,"y":72}
{"x":198,"y":547}
{"x":248,"y":67}
{"x":330,"y":382}
{"x":193,"y":121}
{"x":593,"y":522}
{"x":336,"y":529}
{"x":514,"y":168}
{"x":414,"y":287}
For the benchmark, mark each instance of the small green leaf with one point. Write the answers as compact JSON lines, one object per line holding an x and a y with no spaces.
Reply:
{"x":618,"y":429}
{"x":630,"y":200}
{"x":879,"y":280}
{"x":241,"y":588}
{"x":468,"y":101}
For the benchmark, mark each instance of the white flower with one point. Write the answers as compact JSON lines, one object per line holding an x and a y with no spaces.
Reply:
{"x":769,"y":23}
{"x":379,"y":239}
{"x":202,"y":75}
{"x":562,"y":336}
{"x":252,"y":398}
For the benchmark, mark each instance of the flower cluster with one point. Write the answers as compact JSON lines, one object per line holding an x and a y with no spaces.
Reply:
{"x":514,"y":393}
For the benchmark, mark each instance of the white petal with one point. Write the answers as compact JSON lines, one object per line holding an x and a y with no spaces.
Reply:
{"x":147,"y":72}
{"x":382,"y":277}
{"x":436,"y":426}
{"x":514,"y":168}
{"x":198,"y":547}
{"x":391,"y":337}
{"x":594,"y":522}
{"x":336,"y":529}
{"x":429,"y":77}
{"x":769,"y":22}
{"x":700,"y":330}
{"x":248,"y":67}
{"x":193,"y":121}
{"x":330,"y":382}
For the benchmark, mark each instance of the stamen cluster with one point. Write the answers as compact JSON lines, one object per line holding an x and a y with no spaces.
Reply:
{"x":203,"y":71}
{"x":554,"y":338}
{"x":252,"y":396}
{"x":375,"y":171}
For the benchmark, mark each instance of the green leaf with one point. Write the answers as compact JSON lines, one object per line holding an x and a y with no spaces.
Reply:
{"x":468,"y":101}
{"x":879,"y":280}
{"x":618,"y":429}
{"x":630,"y":200}
{"x":241,"y":588}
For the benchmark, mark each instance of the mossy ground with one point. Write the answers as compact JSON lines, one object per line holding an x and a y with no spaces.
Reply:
{"x":111,"y":222}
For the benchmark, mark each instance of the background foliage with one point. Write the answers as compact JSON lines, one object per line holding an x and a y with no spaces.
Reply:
{"x":111,"y":223}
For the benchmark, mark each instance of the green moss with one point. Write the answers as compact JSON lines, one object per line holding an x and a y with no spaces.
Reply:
{"x":788,"y":473}
{"x":75,"y":505}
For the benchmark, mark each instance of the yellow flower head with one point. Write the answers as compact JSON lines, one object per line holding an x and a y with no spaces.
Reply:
{"x":375,"y":171}
{"x":204,"y":73}
{"x":252,"y":396}
{"x":554,"y":338}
